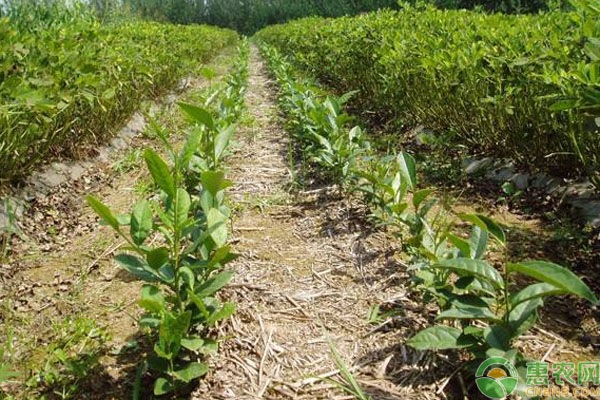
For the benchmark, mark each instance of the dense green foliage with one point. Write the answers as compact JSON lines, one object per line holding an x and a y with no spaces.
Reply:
{"x":67,"y":79}
{"x":505,"y":6}
{"x":184,"y":270}
{"x":248,"y":16}
{"x":524,"y":87}
{"x":480,"y":306}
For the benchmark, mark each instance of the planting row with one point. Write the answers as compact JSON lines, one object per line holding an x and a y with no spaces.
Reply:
{"x":178,"y":240}
{"x":73,"y":81}
{"x":481,"y":307}
{"x":525,"y":87}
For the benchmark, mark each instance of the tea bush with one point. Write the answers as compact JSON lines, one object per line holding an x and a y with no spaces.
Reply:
{"x":73,"y":81}
{"x":185,"y":268}
{"x":479,"y":301}
{"x":525,"y":87}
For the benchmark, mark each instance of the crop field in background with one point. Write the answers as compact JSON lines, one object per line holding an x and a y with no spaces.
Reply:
{"x":525,"y":87}
{"x":67,"y":80}
{"x":275,"y":228}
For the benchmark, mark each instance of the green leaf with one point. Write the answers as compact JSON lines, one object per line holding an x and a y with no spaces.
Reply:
{"x":210,"y":347}
{"x":523,"y":316}
{"x":555,"y":275}
{"x":214,"y":284}
{"x":216,"y":222}
{"x":103,"y":212}
{"x":136,"y":267}
{"x":214,"y":182}
{"x":224,"y":312}
{"x":478,"y":243}
{"x":198,"y":114}
{"x":469,"y":267}
{"x":173,"y":328}
{"x":468,"y":312}
{"x":158,"y":257}
{"x":486,"y":224}
{"x":535,"y":291}
{"x":461,"y":244}
{"x":190,"y":147}
{"x":183,"y":205}
{"x":191,"y":371}
{"x":188,"y":277}
{"x":160,"y":172}
{"x":192,"y":343}
{"x":408,"y":167}
{"x":438,"y":337}
{"x":152,"y":299}
{"x":420,"y":196}
{"x":222,"y":255}
{"x":563,"y":105}
{"x":222,"y":140}
{"x":497,"y":336}
{"x":141,"y":222}
{"x":162,"y":386}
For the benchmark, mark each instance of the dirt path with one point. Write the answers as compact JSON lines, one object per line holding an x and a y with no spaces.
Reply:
{"x":308,"y":274}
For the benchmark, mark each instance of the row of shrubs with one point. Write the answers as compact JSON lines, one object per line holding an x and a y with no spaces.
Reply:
{"x":525,"y":87}
{"x":67,"y":79}
{"x":459,"y":262}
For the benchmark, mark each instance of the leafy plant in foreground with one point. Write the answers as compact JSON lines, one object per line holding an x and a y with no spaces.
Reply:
{"x":183,"y":274}
{"x":488,"y":311}
{"x":177,"y":243}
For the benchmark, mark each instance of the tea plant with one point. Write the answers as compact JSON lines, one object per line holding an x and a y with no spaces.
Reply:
{"x":177,"y":244}
{"x":523,"y":87}
{"x":67,"y":79}
{"x":486,"y":309}
{"x":319,"y":125}
{"x":183,"y":274}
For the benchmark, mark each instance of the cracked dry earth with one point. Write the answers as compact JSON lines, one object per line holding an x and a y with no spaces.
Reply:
{"x":309,"y":270}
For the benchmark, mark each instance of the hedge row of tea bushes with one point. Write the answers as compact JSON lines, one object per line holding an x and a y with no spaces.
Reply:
{"x":248,"y":16}
{"x":525,"y":87}
{"x":68,"y":81}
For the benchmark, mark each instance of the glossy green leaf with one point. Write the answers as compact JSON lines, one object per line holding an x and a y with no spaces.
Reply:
{"x":152,"y":299}
{"x":137,"y":267}
{"x":214,"y":284}
{"x":191,"y":371}
{"x":469,"y":267}
{"x":214,"y":182}
{"x":486,"y":224}
{"x":141,"y":222}
{"x":162,"y":386}
{"x":535,"y":291}
{"x":217,"y":224}
{"x":223,"y":313}
{"x":478,"y":242}
{"x":198,"y":114}
{"x":160,"y":172}
{"x":555,"y":275}
{"x":438,"y":337}
{"x":524,"y":315}
{"x":103,"y":212}
{"x":408,"y":167}
{"x":468,"y":312}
